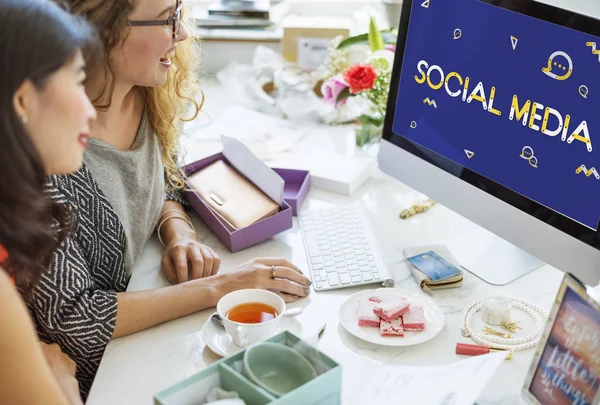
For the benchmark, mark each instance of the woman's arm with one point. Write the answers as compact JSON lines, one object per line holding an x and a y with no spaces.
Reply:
{"x":184,"y":258}
{"x":143,"y":309}
{"x":25,"y":375}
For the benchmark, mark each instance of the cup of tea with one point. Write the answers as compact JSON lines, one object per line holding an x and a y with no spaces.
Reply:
{"x":251,"y":315}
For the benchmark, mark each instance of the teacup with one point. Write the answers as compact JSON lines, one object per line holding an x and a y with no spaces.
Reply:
{"x":246,"y":334}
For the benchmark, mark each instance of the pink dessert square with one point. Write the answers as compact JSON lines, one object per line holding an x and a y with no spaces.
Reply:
{"x":366,"y":316}
{"x":377,"y":299}
{"x":414,"y":319}
{"x":391,"y":309}
{"x":391,"y":329}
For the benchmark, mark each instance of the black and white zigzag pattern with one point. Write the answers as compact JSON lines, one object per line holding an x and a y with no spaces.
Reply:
{"x":75,"y":303}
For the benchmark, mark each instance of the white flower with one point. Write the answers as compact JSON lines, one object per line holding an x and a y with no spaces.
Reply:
{"x":384,"y":58}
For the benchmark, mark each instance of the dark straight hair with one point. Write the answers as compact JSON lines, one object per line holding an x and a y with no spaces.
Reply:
{"x":37,"y":38}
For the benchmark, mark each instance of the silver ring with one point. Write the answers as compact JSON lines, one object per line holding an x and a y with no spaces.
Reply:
{"x":273,"y":272}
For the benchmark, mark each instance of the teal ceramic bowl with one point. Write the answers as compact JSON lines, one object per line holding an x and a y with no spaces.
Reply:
{"x":277,"y":368}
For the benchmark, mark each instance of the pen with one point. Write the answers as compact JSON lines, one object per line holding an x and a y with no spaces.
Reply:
{"x":476,"y":350}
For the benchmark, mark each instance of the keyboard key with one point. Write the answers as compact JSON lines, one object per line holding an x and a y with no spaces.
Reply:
{"x":337,"y":253}
{"x":354,"y":273}
{"x":318,"y":266}
{"x":365,"y":269}
{"x":352,"y":267}
{"x":312,"y":245}
{"x":367,"y":276}
{"x":333,"y":279}
{"x":342,"y":270}
{"x":356,"y":279}
{"x":331,"y":269}
{"x":316,"y":260}
{"x":372,"y":263}
{"x":344,"y":279}
{"x":319,"y":285}
{"x":329,"y":263}
{"x":376,"y":276}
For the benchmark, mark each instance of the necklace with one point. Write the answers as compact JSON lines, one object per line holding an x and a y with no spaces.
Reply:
{"x":539,"y":315}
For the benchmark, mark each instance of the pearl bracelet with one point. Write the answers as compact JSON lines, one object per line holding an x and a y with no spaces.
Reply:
{"x":539,"y":315}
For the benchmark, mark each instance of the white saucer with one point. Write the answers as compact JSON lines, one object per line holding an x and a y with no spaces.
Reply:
{"x":434,"y":318}
{"x":220,"y":342}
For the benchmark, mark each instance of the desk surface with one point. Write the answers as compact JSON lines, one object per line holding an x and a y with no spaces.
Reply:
{"x":136,"y":367}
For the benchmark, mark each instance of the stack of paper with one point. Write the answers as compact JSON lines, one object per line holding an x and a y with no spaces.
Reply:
{"x":460,"y":383}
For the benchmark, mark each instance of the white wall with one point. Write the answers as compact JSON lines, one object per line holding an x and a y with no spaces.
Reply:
{"x":587,"y":7}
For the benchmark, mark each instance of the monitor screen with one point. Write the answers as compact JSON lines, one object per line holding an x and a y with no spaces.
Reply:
{"x":506,"y":95}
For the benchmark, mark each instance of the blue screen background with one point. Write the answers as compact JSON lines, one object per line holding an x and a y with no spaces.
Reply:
{"x":485,"y":53}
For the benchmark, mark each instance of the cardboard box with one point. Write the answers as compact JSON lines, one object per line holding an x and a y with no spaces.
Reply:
{"x":326,"y":389}
{"x":306,"y":38}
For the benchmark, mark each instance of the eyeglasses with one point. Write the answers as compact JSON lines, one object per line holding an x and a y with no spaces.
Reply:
{"x":175,"y":21}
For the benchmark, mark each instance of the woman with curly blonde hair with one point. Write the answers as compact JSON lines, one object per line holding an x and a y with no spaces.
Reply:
{"x":130,"y":185}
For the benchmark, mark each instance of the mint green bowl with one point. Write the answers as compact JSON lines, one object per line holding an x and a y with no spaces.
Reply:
{"x":277,"y":368}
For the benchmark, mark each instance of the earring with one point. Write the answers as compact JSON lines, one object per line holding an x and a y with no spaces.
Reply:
{"x":24,"y":120}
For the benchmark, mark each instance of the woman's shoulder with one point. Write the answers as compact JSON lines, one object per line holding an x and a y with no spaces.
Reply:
{"x":66,"y":187}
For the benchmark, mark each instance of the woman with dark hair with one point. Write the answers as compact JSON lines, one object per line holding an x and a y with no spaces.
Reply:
{"x":44,"y":121}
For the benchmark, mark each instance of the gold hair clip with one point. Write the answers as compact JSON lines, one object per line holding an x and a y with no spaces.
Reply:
{"x":490,"y":331}
{"x":417,"y":209}
{"x":511,"y":326}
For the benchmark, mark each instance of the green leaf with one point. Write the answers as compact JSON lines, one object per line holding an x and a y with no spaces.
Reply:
{"x":368,"y":134}
{"x":344,"y":94}
{"x":375,"y":39}
{"x":389,"y":37}
{"x":367,"y":119}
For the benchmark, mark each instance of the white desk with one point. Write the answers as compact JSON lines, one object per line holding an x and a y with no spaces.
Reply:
{"x":136,"y":367}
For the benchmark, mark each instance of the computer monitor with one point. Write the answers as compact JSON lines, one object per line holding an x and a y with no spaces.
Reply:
{"x":494,"y":111}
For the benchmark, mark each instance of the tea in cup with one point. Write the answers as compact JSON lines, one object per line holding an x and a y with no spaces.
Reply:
{"x":251,"y":315}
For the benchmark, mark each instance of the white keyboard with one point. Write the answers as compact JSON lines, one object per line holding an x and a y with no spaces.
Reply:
{"x":342,"y":249}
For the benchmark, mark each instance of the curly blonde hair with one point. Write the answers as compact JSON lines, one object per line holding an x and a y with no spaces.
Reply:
{"x":167,"y":106}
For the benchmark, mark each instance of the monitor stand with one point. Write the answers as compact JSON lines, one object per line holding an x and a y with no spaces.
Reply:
{"x":491,"y":258}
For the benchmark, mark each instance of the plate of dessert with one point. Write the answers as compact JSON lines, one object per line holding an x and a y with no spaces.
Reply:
{"x":392,"y":317}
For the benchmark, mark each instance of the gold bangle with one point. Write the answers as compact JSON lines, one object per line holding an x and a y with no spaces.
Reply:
{"x":186,"y":219}
{"x":169,"y":211}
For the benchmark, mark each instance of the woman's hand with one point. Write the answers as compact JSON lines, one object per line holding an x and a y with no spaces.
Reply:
{"x":184,"y":253}
{"x":289,"y":283}
{"x":63,"y":368}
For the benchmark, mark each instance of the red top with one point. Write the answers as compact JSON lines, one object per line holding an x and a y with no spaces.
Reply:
{"x":3,"y":257}
{"x":3,"y":254}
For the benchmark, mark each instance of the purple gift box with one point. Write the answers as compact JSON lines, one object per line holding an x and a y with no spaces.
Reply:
{"x":297,"y":184}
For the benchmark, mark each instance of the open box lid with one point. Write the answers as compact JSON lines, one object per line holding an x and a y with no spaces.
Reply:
{"x":245,"y":162}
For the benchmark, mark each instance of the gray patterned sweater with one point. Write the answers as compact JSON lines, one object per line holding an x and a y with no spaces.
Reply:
{"x":75,"y":303}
